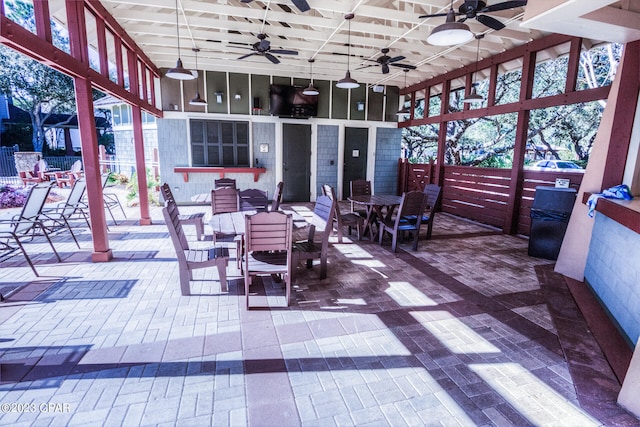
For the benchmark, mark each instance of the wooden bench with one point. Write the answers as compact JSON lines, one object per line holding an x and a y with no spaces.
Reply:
{"x":191,"y":259}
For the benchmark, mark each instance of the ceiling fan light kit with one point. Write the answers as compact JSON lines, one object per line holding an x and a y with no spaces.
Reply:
{"x":179,"y":72}
{"x":347,"y":82}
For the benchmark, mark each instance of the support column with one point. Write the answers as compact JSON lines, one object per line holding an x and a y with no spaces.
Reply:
{"x":90,"y":158}
{"x":138,"y":144}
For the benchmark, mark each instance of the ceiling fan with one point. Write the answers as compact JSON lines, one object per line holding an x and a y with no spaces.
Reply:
{"x":263,"y":48}
{"x":302,"y":5}
{"x":385,"y":60}
{"x":471,"y":9}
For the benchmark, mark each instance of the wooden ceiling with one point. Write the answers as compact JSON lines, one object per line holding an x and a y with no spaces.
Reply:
{"x":224,"y":30}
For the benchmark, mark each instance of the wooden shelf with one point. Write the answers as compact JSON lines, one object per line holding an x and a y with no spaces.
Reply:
{"x":185,"y":171}
{"x":624,"y":212}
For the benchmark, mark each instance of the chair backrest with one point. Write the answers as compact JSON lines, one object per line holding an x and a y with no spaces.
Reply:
{"x":253,"y":199}
{"x":166,"y":193}
{"x":269,"y":231}
{"x":360,"y":187}
{"x":76,"y":166}
{"x":75,"y":196}
{"x":277,"y":197}
{"x":172,"y":220}
{"x":329,"y":191}
{"x":224,"y":182}
{"x":36,"y":198}
{"x":412,"y":204}
{"x":104,"y":177}
{"x":433,"y":193}
{"x":322,"y":219}
{"x":224,"y":200}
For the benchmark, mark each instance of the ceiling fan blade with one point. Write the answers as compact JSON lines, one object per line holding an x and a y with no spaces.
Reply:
{"x":395,"y":59}
{"x":504,"y":6}
{"x":284,"y":52}
{"x":247,"y":55}
{"x":271,"y":58}
{"x":302,"y":5}
{"x":406,"y":66}
{"x":385,"y":69}
{"x":490,"y":22}
{"x":366,"y":66}
{"x":246,"y":1}
{"x":435,"y":15}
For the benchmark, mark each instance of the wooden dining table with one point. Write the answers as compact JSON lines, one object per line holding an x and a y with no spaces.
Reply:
{"x":378,"y":208}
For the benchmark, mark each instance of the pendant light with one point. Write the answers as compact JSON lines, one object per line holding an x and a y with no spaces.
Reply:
{"x":347,"y":82}
{"x":474,"y":97}
{"x":451,"y":32}
{"x":179,"y":72}
{"x":311,"y":90}
{"x":198,"y":100}
{"x":405,"y":111}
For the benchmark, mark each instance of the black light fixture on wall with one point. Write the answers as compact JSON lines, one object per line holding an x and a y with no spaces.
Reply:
{"x":347,"y":82}
{"x":198,"y":100}
{"x":179,"y":72}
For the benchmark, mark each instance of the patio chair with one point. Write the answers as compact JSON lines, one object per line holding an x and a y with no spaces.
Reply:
{"x":224,"y":182}
{"x":268,"y":248}
{"x":27,"y":223}
{"x":253,"y":199}
{"x":412,"y":205}
{"x":224,"y":199}
{"x":191,"y":259}
{"x":67,"y":178}
{"x":433,"y":192}
{"x":195,"y":219}
{"x":59,"y":217}
{"x":359,"y":187}
{"x":310,"y":249}
{"x":111,"y":200}
{"x":341,"y":220}
{"x":277,"y":197}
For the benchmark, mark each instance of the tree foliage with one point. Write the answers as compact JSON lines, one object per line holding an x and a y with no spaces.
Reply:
{"x":562,"y":132}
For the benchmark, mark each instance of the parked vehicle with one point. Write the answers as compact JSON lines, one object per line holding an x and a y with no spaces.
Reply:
{"x":557,"y":165}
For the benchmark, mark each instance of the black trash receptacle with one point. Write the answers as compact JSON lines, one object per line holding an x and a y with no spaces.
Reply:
{"x":550,"y":214}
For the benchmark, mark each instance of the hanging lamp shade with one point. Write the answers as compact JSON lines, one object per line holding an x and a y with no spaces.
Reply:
{"x":451,"y":32}
{"x":405,"y":111}
{"x":473,"y":97}
{"x":311,"y":90}
{"x":198,"y":100}
{"x":179,"y":72}
{"x":347,"y":82}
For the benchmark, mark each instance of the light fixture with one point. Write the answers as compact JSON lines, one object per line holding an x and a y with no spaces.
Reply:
{"x":198,"y":100}
{"x":474,"y":97}
{"x":360,"y":105}
{"x":405,"y":111}
{"x":347,"y":82}
{"x":238,"y":96}
{"x":179,"y":72}
{"x":451,"y":32}
{"x":219,"y":97}
{"x":311,"y":90}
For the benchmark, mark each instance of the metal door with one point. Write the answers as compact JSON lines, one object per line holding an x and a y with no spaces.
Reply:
{"x":296,"y":167}
{"x":356,"y":141}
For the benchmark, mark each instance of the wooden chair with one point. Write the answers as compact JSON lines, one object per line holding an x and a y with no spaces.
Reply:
{"x":224,"y":182}
{"x":412,"y":204}
{"x":67,"y":178}
{"x":359,"y":187}
{"x":59,"y":216}
{"x":277,"y":197}
{"x":191,"y":259}
{"x":253,"y":199}
{"x":29,"y":177}
{"x":195,"y":219}
{"x":27,"y":223}
{"x":322,"y":222}
{"x":224,"y":199}
{"x":433,"y":192}
{"x":343,"y":220}
{"x":268,"y":248}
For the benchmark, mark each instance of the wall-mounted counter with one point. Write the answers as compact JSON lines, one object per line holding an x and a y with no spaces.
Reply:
{"x":221,"y":171}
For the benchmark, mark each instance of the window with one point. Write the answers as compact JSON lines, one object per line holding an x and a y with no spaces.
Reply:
{"x":219,"y":143}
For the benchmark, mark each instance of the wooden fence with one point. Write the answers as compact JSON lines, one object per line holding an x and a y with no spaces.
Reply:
{"x":482,"y":194}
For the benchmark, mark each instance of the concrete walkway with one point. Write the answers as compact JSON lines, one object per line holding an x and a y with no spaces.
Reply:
{"x":468,"y":331}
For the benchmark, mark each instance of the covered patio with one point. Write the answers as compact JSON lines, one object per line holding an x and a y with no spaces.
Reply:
{"x":469,"y":330}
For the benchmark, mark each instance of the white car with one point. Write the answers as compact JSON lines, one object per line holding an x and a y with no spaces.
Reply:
{"x":557,"y":165}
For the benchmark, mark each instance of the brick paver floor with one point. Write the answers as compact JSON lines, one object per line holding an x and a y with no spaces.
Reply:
{"x":467,"y":331}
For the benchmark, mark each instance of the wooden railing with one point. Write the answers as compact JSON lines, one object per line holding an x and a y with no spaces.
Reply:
{"x":482,"y":194}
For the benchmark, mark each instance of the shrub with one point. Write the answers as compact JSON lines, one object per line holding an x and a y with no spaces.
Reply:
{"x":11,"y":197}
